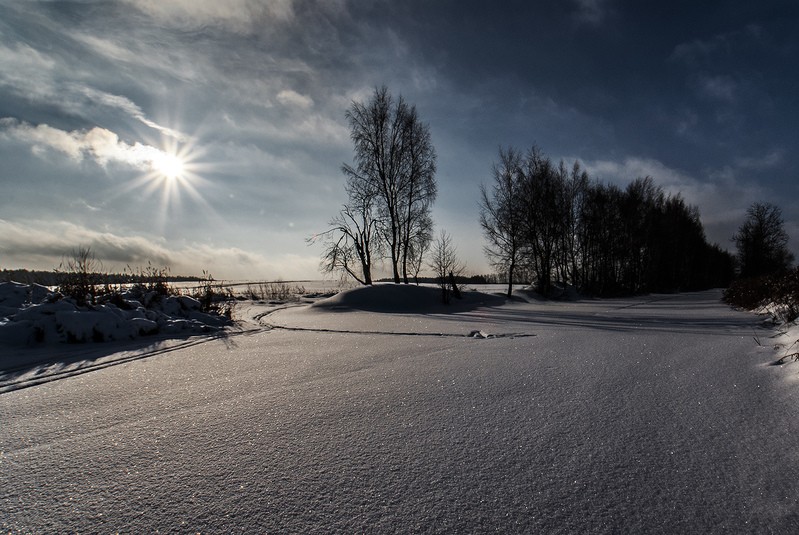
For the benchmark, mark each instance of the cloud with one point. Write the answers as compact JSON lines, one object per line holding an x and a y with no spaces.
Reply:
{"x":704,"y":51}
{"x":241,"y":16}
{"x":42,"y":243}
{"x":42,"y":135}
{"x":27,"y":72}
{"x":771,"y":159}
{"x":307,"y":131}
{"x":291,"y":98}
{"x":627,"y":170}
{"x":591,"y":12}
{"x":721,"y":88}
{"x":149,"y":54}
{"x":99,"y":144}
{"x":45,"y":244}
{"x":128,"y":106}
{"x":35,"y":76}
{"x":110,"y":49}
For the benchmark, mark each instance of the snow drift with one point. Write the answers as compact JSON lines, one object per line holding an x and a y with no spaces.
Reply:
{"x":408,"y":298}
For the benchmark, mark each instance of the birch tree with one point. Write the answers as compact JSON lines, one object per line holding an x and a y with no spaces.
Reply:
{"x":395,"y":162}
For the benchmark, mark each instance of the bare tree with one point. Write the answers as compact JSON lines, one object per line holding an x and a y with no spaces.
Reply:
{"x":501,"y":216}
{"x":542,"y":215}
{"x":394,"y":163}
{"x":349,"y":242}
{"x":445,"y":264}
{"x":419,"y":190}
{"x":570,"y":250}
{"x":762,"y":242}
{"x":420,"y":242}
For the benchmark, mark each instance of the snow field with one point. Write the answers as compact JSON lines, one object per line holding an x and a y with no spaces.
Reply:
{"x":655,"y":415}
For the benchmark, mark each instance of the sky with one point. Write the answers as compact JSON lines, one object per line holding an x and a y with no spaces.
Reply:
{"x":209,"y":136}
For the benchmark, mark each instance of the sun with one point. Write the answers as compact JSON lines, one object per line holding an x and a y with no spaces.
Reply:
{"x":169,"y":166}
{"x":173,"y":170}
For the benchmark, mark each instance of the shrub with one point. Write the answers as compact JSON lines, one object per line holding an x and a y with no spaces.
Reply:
{"x":214,"y":297}
{"x":274,"y":291}
{"x":779,"y":292}
{"x":446,"y":266}
{"x":79,"y":276}
{"x":785,"y":292}
{"x":151,"y":279}
{"x":748,"y":294}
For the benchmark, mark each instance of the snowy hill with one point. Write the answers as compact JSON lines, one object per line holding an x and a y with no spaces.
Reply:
{"x":404,"y":298}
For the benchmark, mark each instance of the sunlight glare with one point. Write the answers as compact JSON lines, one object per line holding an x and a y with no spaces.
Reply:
{"x":173,"y":172}
{"x":169,"y":166}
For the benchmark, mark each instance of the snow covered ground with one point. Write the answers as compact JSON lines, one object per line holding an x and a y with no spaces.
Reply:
{"x":35,"y":322}
{"x":31,"y":314}
{"x":657,"y":414}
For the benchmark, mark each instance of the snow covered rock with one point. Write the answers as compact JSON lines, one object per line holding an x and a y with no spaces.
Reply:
{"x":478,"y":334}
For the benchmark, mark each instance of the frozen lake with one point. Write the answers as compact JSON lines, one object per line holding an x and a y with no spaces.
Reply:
{"x":657,"y":414}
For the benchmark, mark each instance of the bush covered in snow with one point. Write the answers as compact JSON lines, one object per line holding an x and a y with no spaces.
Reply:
{"x":30,"y":314}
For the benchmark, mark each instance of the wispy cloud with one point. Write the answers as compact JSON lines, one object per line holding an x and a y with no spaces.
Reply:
{"x":36,"y":77}
{"x":708,"y":51}
{"x":306,"y":130}
{"x":721,"y":87}
{"x":769,"y":160}
{"x":26,"y":72}
{"x":151,"y":55}
{"x":241,"y":16}
{"x":128,"y":106}
{"x":289,"y":97}
{"x":624,"y":171}
{"x":591,"y":12}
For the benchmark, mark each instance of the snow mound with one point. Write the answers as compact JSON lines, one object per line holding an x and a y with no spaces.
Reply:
{"x":13,"y":295}
{"x":32,"y":314}
{"x":403,"y":298}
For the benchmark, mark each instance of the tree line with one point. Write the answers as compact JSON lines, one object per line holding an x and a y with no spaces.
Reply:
{"x":559,"y":225}
{"x":544,"y":223}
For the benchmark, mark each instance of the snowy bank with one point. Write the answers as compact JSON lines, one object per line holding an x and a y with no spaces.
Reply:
{"x":32,"y":314}
{"x":786,"y":343}
{"x":404,"y":298}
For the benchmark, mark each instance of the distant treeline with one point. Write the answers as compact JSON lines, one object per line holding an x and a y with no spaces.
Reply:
{"x":54,"y":278}
{"x":559,"y":225}
{"x":459,"y":279}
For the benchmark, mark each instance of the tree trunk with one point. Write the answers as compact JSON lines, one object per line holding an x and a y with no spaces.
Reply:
{"x":510,"y":278}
